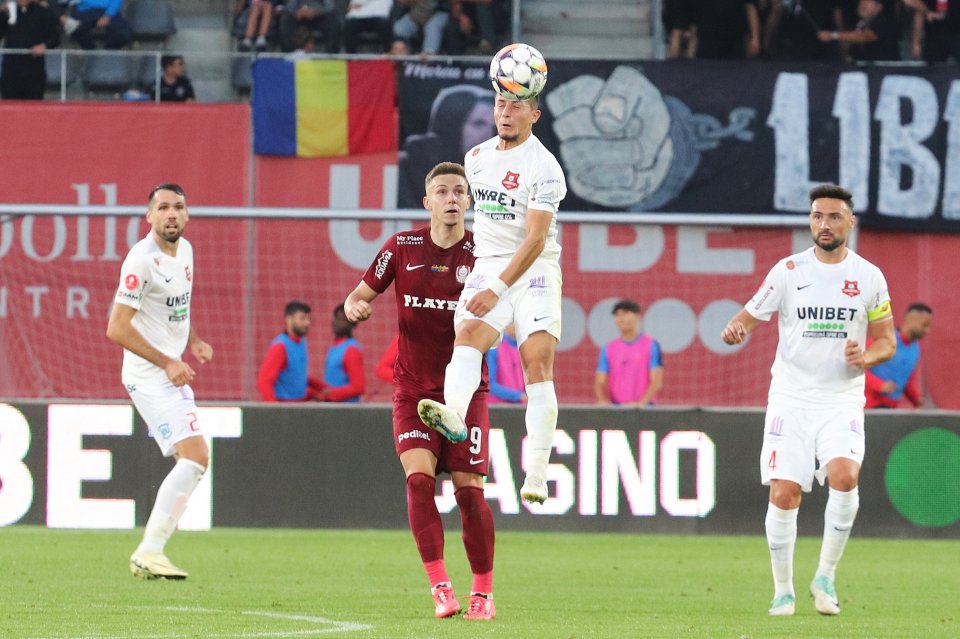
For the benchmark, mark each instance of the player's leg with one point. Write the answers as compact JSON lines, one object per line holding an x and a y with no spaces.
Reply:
{"x":171,"y":415}
{"x":419,"y":465}
{"x":842,"y":444}
{"x":787,"y":466}
{"x":478,"y":541}
{"x":781,"y":528}
{"x":537,"y":353}
{"x":462,"y":377}
{"x":538,"y":324}
{"x":419,"y":449}
{"x":463,"y":373}
{"x":468,"y":463}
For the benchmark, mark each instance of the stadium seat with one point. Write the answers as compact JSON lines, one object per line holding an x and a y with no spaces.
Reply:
{"x":146,"y":70}
{"x":241,"y":77}
{"x":108,"y":73}
{"x":53,"y":61}
{"x":151,"y":19}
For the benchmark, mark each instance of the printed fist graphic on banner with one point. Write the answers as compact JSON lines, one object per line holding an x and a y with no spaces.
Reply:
{"x":624,"y":145}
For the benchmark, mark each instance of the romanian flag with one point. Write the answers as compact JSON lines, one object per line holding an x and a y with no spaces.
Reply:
{"x":323,"y":108}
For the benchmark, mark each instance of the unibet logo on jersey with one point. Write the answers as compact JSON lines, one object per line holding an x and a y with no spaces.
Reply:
{"x":828,"y":320}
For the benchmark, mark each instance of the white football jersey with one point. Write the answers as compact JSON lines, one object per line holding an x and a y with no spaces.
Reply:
{"x":159,"y":287}
{"x":820,"y":307}
{"x":504,"y":184}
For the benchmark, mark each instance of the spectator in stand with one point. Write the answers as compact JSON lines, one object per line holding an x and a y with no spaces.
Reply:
{"x":876,"y":37}
{"x":889,"y":382}
{"x":259,"y":15}
{"x":473,"y":25}
{"x":26,"y":25}
{"x":726,"y":29}
{"x":800,"y":26}
{"x":420,"y":17}
{"x":317,"y":16}
{"x":302,"y":42}
{"x":284,"y":374}
{"x":63,"y":10}
{"x":630,"y":369}
{"x":103,"y":15}
{"x":507,"y":383}
{"x":387,"y":361}
{"x":175,"y":86}
{"x":368,"y":16}
{"x":678,"y":16}
{"x":936,"y":29}
{"x":343,"y":379}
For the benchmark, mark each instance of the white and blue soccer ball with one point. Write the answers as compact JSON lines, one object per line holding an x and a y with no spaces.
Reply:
{"x":518,"y":72}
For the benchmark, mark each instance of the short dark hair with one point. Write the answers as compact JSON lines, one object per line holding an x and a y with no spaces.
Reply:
{"x":920,"y":307}
{"x":301,"y":37}
{"x":833,"y":192}
{"x":626,"y":305}
{"x":168,"y":60}
{"x":165,"y":186}
{"x":296,"y":306}
{"x":444,"y":168}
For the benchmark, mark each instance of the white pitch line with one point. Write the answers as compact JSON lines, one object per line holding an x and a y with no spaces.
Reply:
{"x":335,"y":626}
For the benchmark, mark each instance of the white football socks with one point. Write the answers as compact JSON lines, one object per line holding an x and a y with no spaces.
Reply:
{"x":462,"y":378}
{"x":541,"y":422}
{"x":781,"y":528}
{"x":171,"y":501}
{"x":838,"y":519}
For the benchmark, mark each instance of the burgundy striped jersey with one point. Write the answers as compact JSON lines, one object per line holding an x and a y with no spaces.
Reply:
{"x":427,"y":282}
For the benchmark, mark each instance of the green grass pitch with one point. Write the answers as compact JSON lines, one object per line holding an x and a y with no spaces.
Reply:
{"x":290,"y":584}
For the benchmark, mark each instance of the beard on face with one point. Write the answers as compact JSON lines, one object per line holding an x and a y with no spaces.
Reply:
{"x":831,"y":245}
{"x":171,"y":236}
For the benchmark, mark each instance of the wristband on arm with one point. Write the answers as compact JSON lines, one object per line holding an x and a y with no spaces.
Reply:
{"x":497,"y":285}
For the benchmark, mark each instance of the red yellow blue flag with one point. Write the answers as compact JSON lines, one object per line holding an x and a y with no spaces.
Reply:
{"x":323,"y":108}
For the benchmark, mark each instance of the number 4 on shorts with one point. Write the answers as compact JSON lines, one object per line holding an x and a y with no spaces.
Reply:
{"x":772,"y":462}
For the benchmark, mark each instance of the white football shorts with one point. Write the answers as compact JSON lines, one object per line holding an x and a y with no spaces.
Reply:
{"x":169,"y":411}
{"x":796,"y":440}
{"x":532,"y":303}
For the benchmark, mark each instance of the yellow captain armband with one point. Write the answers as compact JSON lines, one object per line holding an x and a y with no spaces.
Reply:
{"x":879,"y":312}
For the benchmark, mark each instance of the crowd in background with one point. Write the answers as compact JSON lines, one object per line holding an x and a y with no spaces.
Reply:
{"x":399,"y":27}
{"x":297,"y":27}
{"x":842,"y":30}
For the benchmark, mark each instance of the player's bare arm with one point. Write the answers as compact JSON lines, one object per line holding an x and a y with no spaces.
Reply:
{"x":739,"y":327}
{"x":655,"y":386}
{"x":357,"y":305}
{"x":600,"y":390}
{"x":538,"y":225}
{"x":121,"y":330}
{"x":199,"y":348}
{"x":882,"y":348}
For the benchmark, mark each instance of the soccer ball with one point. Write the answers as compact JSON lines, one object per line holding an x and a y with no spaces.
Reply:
{"x":518,"y":72}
